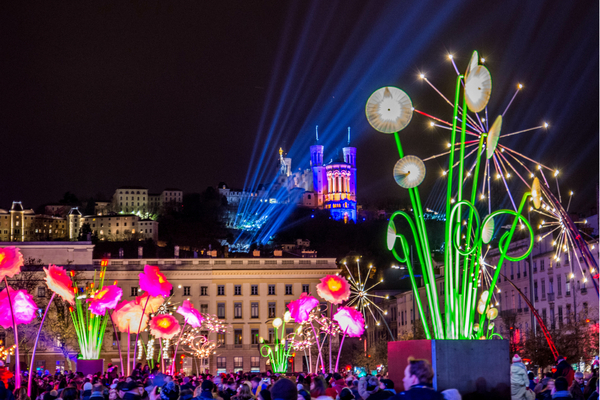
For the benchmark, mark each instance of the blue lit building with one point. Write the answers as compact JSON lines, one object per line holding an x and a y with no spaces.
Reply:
{"x":335,"y":183}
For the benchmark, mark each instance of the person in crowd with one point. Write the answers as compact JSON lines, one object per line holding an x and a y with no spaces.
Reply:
{"x":418,"y":382}
{"x":284,"y":389}
{"x":87,"y":391}
{"x":561,"y":389}
{"x":346,"y":394}
{"x":367,"y":386}
{"x":97,"y":392}
{"x":244,"y":393}
{"x":577,"y":387}
{"x":204,"y":391}
{"x":388,"y":386}
{"x":265,"y":394}
{"x":451,"y":394}
{"x":519,"y":381}
{"x":318,"y":388}
{"x":546,"y":390}
{"x":563,"y":368}
{"x":594,"y":394}
{"x":531,"y":377}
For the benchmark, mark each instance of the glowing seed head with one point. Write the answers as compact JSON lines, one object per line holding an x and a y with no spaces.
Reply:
{"x":520,"y":86}
{"x":421,"y":76}
{"x":450,"y":56}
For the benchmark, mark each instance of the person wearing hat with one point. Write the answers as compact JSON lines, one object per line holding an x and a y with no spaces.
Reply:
{"x":563,"y":368}
{"x":132,"y":390}
{"x":519,"y":381}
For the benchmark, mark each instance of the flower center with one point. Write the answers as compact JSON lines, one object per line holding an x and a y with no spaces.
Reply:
{"x":334,"y":285}
{"x":164,"y":323}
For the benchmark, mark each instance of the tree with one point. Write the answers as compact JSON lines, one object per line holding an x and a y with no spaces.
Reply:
{"x":509,"y":319}
{"x":376,"y":355}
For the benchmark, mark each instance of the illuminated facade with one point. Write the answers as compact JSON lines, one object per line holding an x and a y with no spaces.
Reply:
{"x":335,"y":183}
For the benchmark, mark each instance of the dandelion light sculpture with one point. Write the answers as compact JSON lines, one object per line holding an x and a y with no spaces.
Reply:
{"x":278,"y":352}
{"x":465,"y":230}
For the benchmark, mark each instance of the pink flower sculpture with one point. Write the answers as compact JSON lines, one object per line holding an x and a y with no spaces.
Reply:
{"x":153,"y":304}
{"x":127,"y":317}
{"x":58,"y":280}
{"x":106,"y":298}
{"x":300,"y":309}
{"x":164,"y":326}
{"x":351,"y":321}
{"x":334,"y":289}
{"x":22,"y":304}
{"x":190,"y":314}
{"x":11,"y":261}
{"x":155,"y":283}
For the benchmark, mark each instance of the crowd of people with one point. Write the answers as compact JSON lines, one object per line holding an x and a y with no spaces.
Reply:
{"x":562,"y":383}
{"x":146,"y":384}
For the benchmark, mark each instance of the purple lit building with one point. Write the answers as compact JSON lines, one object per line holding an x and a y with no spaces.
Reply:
{"x":335,"y":183}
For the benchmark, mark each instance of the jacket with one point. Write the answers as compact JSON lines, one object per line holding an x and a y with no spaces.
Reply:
{"x":419,"y":392}
{"x":563,"y":368}
{"x":576,"y":391}
{"x":562,"y":394}
{"x":519,"y":381}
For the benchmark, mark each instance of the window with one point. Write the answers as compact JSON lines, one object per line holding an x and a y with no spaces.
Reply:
{"x":41,"y":291}
{"x":254,"y":290}
{"x":237,"y":337}
{"x":552,"y":320}
{"x":560,"y":317}
{"x":134,"y":291}
{"x":512,"y":270}
{"x":254,"y":336}
{"x":524,"y":270}
{"x":220,"y":339}
{"x":203,"y":290}
{"x":254,"y":362}
{"x":543,"y":289}
{"x":550,"y":285}
{"x":272,"y":310}
{"x":221,"y":310}
{"x":222,"y":362}
{"x":568,"y":314}
{"x":221,"y":290}
{"x":271,"y":290}
{"x":513,"y":300}
{"x":288,"y":290}
{"x":253,"y":310}
{"x":520,"y":306}
{"x":542,"y":267}
{"x":238,"y":363}
{"x":237,"y":290}
{"x":558,"y":284}
{"x":237,"y":310}
{"x":186,"y":290}
{"x":585,"y":309}
{"x":567,"y":287}
{"x":271,"y":335}
{"x":544,"y":315}
{"x":305,"y":288}
{"x":204,"y":308}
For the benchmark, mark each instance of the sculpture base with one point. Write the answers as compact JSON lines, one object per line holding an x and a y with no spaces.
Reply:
{"x":471,"y":366}
{"x":90,"y":366}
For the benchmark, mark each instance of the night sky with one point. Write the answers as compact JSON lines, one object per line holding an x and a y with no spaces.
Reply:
{"x":96,"y":95}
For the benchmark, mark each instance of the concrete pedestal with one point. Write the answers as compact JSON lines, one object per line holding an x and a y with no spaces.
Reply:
{"x":471,"y":366}
{"x":90,"y":366}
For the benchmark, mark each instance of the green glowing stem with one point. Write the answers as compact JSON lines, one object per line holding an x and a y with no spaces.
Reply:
{"x":503,"y":254}
{"x":413,"y":282}
{"x":428,"y":276}
{"x":406,"y":260}
{"x":449,"y":292}
{"x":466,"y":270}
{"x":471,"y":294}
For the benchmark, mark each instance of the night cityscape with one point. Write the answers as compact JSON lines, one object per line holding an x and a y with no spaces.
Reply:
{"x":268,"y":200}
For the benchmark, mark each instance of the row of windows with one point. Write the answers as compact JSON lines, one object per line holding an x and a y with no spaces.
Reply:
{"x":238,"y":363}
{"x":237,"y":290}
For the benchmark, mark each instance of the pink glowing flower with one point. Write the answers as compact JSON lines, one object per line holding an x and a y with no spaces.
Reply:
{"x":190,"y":314}
{"x":300,"y":309}
{"x":127,"y":317}
{"x":153,"y":282}
{"x":164,"y":326}
{"x":22,"y":304}
{"x":351,"y":321}
{"x":11,"y":261}
{"x":334,"y":289}
{"x":153,"y":304}
{"x":58,"y":280}
{"x":104,"y":299}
